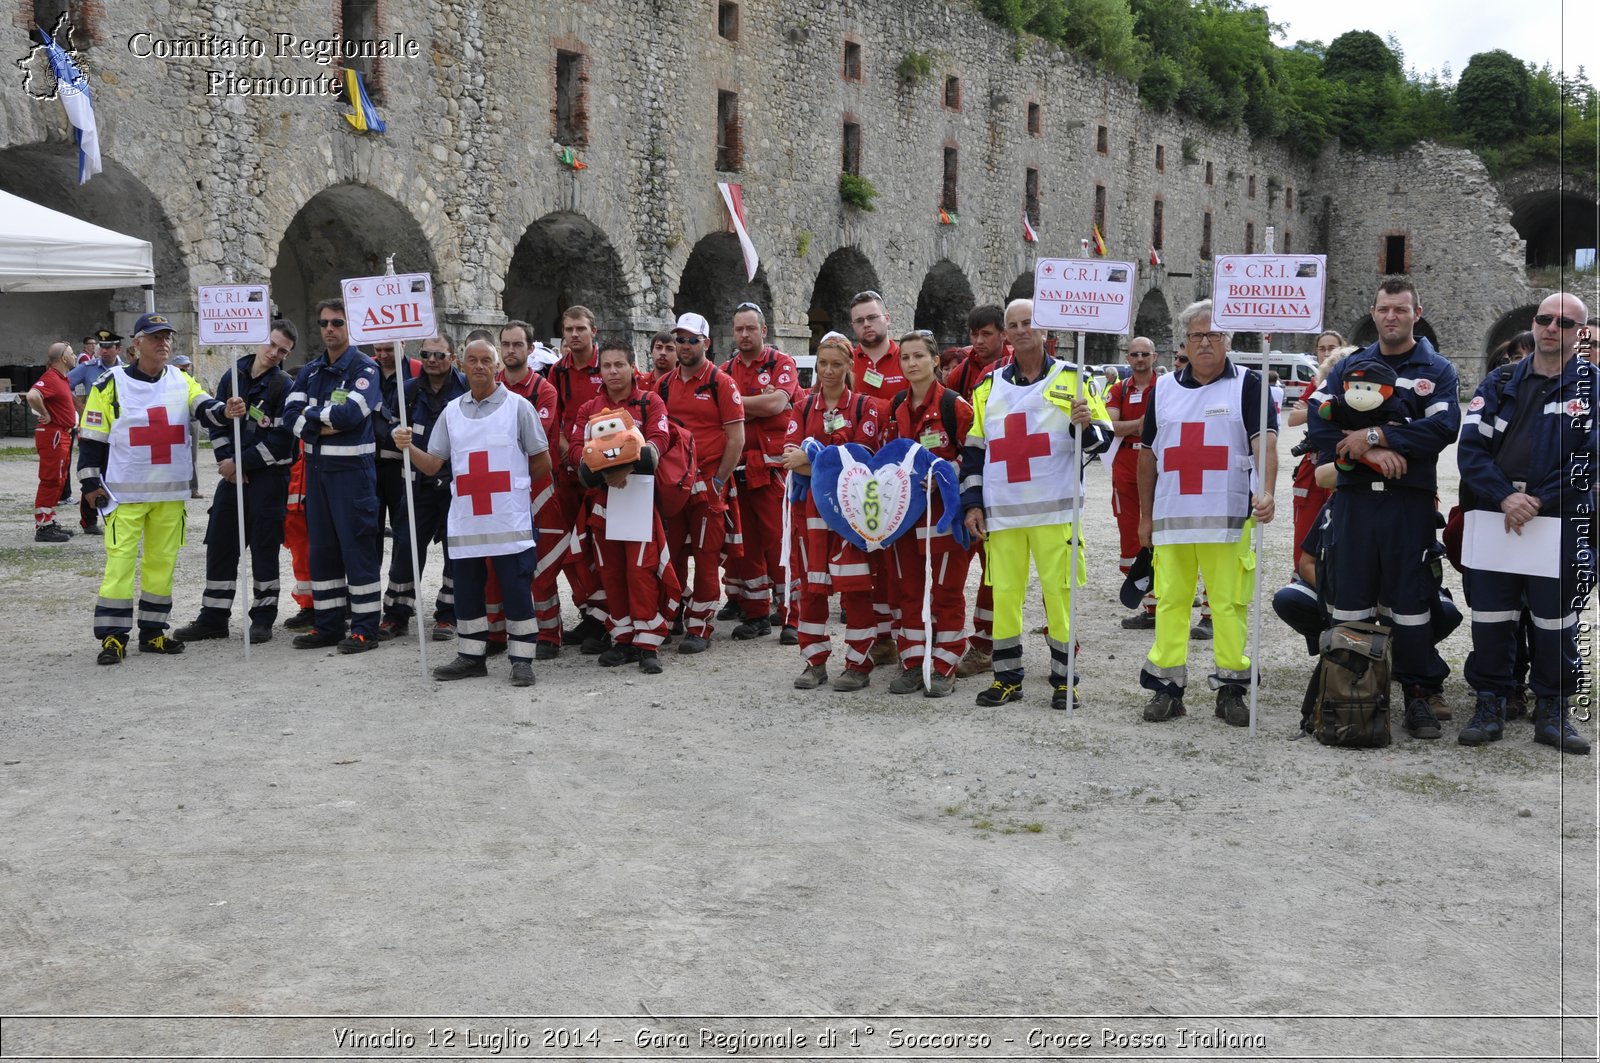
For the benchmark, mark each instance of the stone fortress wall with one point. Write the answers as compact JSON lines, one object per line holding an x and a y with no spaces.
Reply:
{"x":467,"y":184}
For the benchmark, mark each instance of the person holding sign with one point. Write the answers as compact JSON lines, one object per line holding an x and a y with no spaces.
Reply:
{"x":495,"y":449}
{"x":832,"y":415}
{"x":1382,"y":519}
{"x":642,"y":590}
{"x":133,"y":465}
{"x":1020,"y":471}
{"x":262,"y":469}
{"x":1203,"y":441}
{"x":1527,"y":449}
{"x":876,"y":373}
{"x":330,"y":408}
{"x":940,"y":420}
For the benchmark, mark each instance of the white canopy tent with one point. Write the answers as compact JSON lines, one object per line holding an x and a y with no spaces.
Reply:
{"x":43,"y":250}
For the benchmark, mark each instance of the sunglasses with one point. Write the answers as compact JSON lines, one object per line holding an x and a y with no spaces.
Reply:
{"x":332,"y":322}
{"x":1543,"y":321}
{"x":747,"y":306}
{"x":686,"y":341}
{"x":435,"y":356}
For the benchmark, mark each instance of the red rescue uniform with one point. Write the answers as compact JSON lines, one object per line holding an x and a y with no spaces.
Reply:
{"x":294,"y":530}
{"x":574,"y":387}
{"x":642,"y":589}
{"x":53,"y":440}
{"x":1129,"y":400}
{"x":757,"y":570}
{"x":964,"y":376}
{"x":826,"y":562}
{"x":705,"y":404}
{"x":881,"y":380}
{"x":914,"y":550}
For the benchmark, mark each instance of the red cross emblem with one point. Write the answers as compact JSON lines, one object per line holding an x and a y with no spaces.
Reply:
{"x":1017,"y":447}
{"x":1048,"y":269}
{"x":159,"y":434}
{"x":1577,"y":407}
{"x":480,"y":484}
{"x":1191,"y":458}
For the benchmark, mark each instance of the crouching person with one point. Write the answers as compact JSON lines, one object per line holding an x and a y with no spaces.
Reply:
{"x":496,"y":448}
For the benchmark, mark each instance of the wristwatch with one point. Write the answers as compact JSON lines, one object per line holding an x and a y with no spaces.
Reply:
{"x":1373,"y":437}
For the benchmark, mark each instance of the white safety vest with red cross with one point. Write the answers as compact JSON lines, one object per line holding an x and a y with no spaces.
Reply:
{"x":1203,"y":463}
{"x":491,"y":510}
{"x":1029,"y":470}
{"x":149,"y":457}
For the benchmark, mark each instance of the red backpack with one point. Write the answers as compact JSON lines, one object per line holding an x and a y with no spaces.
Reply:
{"x":675,"y":467}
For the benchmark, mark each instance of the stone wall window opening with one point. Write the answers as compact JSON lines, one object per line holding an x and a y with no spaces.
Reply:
{"x":1205,"y":236}
{"x":852,"y":60}
{"x":850,"y":143}
{"x":1250,"y":187}
{"x":1211,"y":175}
{"x":728,"y":21}
{"x":570,"y":115}
{"x":359,"y":20}
{"x":1102,"y":140}
{"x":1396,"y":257}
{"x":1035,"y":119}
{"x":1288,"y":198}
{"x":730,"y":141}
{"x":1161,"y":158}
{"x":952,"y":92}
{"x":1030,"y":195}
{"x":1249,"y":237}
{"x":1158,"y":224}
{"x":1286,"y":248}
{"x":1100,"y":208}
{"x":947,"y":190}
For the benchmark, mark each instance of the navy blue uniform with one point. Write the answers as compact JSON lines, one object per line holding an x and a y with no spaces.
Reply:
{"x":1537,"y":432}
{"x":341,"y":487}
{"x":1381,"y":532}
{"x":269,"y":452}
{"x":391,"y":474}
{"x":430,"y":495}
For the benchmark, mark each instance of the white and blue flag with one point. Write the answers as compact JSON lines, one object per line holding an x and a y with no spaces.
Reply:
{"x":73,"y":88}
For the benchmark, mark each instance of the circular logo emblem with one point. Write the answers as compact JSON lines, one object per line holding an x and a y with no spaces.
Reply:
{"x":1476,"y":404}
{"x":764,"y":378}
{"x":361,"y":385}
{"x":1423,"y":388}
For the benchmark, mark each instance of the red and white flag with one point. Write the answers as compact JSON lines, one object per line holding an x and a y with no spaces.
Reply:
{"x":1155,"y":256}
{"x":1029,"y":233}
{"x":733,"y":199}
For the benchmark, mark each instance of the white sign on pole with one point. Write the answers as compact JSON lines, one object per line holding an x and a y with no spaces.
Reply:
{"x":1269,"y":293}
{"x":234,"y":313}
{"x":390,"y":308}
{"x":1083,"y":294}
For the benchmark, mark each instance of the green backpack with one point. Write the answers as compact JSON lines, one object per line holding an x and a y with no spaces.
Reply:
{"x":1352,"y":698}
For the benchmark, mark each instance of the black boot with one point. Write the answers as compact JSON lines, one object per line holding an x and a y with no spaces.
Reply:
{"x":1552,"y":726}
{"x":1488,"y":723}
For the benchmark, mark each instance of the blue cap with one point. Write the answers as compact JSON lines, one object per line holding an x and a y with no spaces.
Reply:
{"x":152,"y":323}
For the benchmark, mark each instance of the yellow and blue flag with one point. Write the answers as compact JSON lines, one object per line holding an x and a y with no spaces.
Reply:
{"x":365,"y":117}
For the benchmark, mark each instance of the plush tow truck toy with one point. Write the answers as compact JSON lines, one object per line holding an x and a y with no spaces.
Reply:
{"x":612,"y":441}
{"x":1368,"y":401}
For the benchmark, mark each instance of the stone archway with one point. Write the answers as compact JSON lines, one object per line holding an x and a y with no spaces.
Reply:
{"x":47,"y":174}
{"x":943,"y":304}
{"x":1021,"y":288}
{"x":713,"y":283}
{"x":563,"y":260}
{"x":1556,"y":223}
{"x":844,"y":273}
{"x":1508,"y":324}
{"x":1153,"y":320}
{"x":344,"y":231}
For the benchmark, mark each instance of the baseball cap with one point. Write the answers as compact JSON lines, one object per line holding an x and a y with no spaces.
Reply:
{"x":693,"y":323}
{"x":150,"y":323}
{"x":105,"y":335}
{"x":181,"y":360}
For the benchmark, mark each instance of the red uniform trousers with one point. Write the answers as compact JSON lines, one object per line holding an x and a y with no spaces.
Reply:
{"x":569,"y":554}
{"x":642,"y":587}
{"x":54,"y":445}
{"x":700,"y":531}
{"x":1308,"y":502}
{"x":828,"y":565}
{"x":982,"y":638}
{"x":294,"y":535}
{"x":553,"y":543}
{"x":757,"y":573}
{"x":911,"y":553}
{"x":1125,"y":506}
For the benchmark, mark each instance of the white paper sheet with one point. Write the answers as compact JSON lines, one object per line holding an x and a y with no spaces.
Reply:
{"x":628,"y":510}
{"x":1488,"y":547}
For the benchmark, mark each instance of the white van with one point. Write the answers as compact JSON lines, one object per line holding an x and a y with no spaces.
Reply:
{"x":1292,"y":369}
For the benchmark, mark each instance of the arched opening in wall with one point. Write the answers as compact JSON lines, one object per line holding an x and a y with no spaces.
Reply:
{"x":844,"y":273}
{"x":1365,"y":334}
{"x":563,"y":260}
{"x":713,"y":283}
{"x":1098,"y":347}
{"x":1561,"y":228}
{"x":1507,"y":325}
{"x":47,"y":174}
{"x":1154,"y":321}
{"x":943,"y":304}
{"x":343,"y":231}
{"x":1021,"y":288}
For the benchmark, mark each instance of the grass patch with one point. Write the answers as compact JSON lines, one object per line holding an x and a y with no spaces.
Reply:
{"x":1427,"y":785}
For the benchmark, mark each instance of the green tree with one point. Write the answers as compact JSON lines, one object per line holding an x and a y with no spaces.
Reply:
{"x":1361,"y":55}
{"x":1492,"y":98}
{"x":1103,"y":31}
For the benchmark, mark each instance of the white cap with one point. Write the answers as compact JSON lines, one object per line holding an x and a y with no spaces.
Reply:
{"x":692,"y":323}
{"x":542,"y":355}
